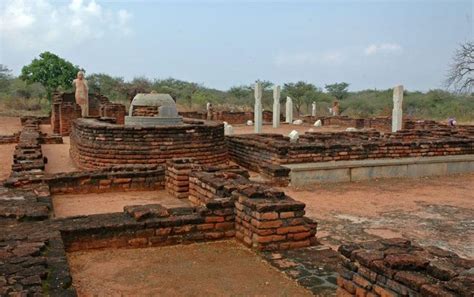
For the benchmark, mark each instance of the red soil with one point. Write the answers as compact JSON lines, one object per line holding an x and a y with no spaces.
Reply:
{"x":222,"y":268}
{"x":94,"y":203}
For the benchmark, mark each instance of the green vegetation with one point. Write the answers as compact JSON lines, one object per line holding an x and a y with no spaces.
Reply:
{"x":51,"y":72}
{"x":338,"y":90}
{"x":30,"y":94}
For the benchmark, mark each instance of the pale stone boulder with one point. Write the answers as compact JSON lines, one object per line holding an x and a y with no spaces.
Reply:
{"x":249,"y":123}
{"x":318,"y":123}
{"x":294,"y":135}
{"x":297,"y":122}
{"x":351,"y":129}
{"x":228,"y":130}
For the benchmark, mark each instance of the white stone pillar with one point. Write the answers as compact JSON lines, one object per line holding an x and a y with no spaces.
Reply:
{"x":289,"y":110}
{"x":258,"y":108}
{"x":313,"y":109}
{"x":397,"y":112}
{"x":276,"y":106}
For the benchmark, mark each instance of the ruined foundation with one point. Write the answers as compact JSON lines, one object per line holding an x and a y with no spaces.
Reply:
{"x":395,"y":267}
{"x":96,"y":144}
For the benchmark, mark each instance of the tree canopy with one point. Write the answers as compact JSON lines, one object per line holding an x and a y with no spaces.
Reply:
{"x":302,"y":93}
{"x":50,"y":71}
{"x":338,"y":90}
{"x":461,"y":73}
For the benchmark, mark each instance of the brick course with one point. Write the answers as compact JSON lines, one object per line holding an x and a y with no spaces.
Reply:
{"x":396,"y":267}
{"x":96,"y":144}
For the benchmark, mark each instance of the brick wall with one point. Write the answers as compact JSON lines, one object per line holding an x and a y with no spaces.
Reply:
{"x":231,"y":117}
{"x":145,"y":111}
{"x":120,"y":178}
{"x":64,"y":111}
{"x":113,"y":110}
{"x":95,"y":144}
{"x":257,"y":151}
{"x":395,"y":267}
{"x":267,"y":219}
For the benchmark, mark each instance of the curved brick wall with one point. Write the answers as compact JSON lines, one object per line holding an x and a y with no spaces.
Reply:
{"x":96,"y":144}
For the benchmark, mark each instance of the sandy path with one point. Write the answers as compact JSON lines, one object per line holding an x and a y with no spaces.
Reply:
{"x":208,"y":269}
{"x":6,"y":160}
{"x":58,"y":157}
{"x":370,"y":198}
{"x":93,"y":203}
{"x":9,"y":125}
{"x":430,"y":211}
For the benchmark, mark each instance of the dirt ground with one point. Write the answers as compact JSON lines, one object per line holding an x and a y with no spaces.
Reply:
{"x":432,"y":211}
{"x":6,"y":160}
{"x":9,"y":125}
{"x":285,"y":129}
{"x":58,"y":157}
{"x":94,"y":203}
{"x":222,"y":268}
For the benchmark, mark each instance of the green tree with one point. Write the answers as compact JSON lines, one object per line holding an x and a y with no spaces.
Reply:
{"x":242,"y":95}
{"x":301,"y":93}
{"x":338,"y":90}
{"x":114,"y":88}
{"x":5,"y":77}
{"x":51,"y":72}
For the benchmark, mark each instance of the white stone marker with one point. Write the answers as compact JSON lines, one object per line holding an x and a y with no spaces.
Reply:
{"x":318,"y":123}
{"x":258,"y":108}
{"x":276,"y":106}
{"x":228,"y":130}
{"x":249,"y":123}
{"x":313,"y":109}
{"x":397,"y":112}
{"x":294,"y":135}
{"x":298,"y":122}
{"x":289,"y":110}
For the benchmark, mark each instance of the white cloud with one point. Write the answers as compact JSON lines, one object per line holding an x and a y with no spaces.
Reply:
{"x":309,"y":58}
{"x":36,"y":24}
{"x":382,"y":48}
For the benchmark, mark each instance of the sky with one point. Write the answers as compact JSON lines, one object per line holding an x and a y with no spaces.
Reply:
{"x":369,"y":44}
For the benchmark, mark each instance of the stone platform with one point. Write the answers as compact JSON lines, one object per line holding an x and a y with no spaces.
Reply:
{"x":357,"y":170}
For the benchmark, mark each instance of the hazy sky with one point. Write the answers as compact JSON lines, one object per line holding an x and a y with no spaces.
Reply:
{"x":369,"y":44}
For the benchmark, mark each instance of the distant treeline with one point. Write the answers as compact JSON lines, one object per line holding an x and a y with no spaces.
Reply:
{"x":15,"y":94}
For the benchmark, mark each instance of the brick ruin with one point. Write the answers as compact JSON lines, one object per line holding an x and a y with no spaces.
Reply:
{"x":96,"y":144}
{"x":231,"y":117}
{"x":65,"y":110}
{"x":258,"y":152}
{"x":224,"y":202}
{"x":396,"y":267}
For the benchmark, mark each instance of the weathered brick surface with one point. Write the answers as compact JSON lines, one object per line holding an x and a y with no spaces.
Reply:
{"x":96,"y":144}
{"x":267,"y":219}
{"x":395,"y":267}
{"x":64,"y":111}
{"x":177,"y":176}
{"x":257,"y":152}
{"x":231,"y":117}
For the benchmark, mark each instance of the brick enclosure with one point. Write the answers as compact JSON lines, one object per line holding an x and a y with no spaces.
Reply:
{"x":258,"y":151}
{"x":225,"y":204}
{"x":64,"y":111}
{"x":96,"y":144}
{"x":231,"y":117}
{"x":395,"y":267}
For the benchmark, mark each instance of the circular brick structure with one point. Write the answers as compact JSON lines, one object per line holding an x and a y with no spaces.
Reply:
{"x":97,"y":144}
